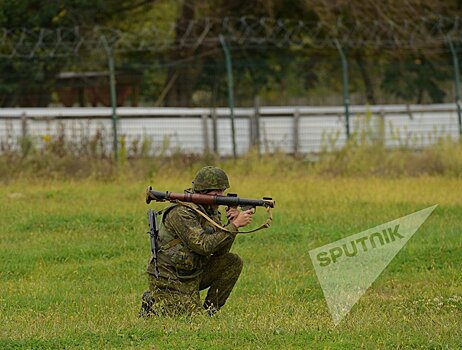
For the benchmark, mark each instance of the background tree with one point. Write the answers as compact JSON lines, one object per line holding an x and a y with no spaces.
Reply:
{"x":416,"y":70}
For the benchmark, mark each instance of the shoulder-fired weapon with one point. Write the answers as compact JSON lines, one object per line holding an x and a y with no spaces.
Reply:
{"x":230,"y":200}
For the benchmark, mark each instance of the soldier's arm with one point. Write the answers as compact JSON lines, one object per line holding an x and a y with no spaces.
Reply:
{"x":227,"y":247}
{"x":242,"y":218}
{"x":186,"y":223}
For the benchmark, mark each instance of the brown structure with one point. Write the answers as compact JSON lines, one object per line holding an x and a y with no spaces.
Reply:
{"x":92,"y":88}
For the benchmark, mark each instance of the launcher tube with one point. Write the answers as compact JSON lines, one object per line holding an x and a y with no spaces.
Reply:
{"x":230,"y":201}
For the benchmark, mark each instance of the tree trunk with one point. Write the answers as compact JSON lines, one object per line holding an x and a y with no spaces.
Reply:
{"x":182,"y":88}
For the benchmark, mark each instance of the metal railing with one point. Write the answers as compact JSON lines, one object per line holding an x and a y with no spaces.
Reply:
{"x":292,"y":130}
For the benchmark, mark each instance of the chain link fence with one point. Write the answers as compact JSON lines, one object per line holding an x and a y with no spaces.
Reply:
{"x":272,"y":63}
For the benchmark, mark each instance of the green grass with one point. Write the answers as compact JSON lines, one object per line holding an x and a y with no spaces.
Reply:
{"x":72,"y":259}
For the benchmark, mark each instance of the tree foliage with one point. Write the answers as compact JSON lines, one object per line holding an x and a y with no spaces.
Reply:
{"x":197,"y":76}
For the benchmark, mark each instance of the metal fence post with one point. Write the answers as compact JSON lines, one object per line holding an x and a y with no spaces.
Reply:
{"x":230,"y":91}
{"x":346,"y":95}
{"x":214,"y":131}
{"x":251,"y":131}
{"x":24,"y":125}
{"x":381,"y":129}
{"x":112,"y":84}
{"x":456,"y":82}
{"x":295,"y":132}
{"x":255,"y":125}
{"x":205,"y":133}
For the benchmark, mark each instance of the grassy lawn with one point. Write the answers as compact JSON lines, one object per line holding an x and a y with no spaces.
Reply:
{"x":72,"y":259}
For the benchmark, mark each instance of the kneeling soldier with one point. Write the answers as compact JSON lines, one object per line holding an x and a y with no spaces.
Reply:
{"x":194,"y":254}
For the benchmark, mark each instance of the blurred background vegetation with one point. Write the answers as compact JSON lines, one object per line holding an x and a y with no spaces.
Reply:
{"x":196,"y":76}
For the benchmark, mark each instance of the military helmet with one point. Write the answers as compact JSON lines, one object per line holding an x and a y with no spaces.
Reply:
{"x":210,"y":178}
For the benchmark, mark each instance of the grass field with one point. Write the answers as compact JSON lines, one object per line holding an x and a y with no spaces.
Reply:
{"x":72,"y":259}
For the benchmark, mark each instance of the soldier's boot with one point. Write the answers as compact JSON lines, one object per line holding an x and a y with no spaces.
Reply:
{"x":220,"y":276}
{"x":146,"y":304}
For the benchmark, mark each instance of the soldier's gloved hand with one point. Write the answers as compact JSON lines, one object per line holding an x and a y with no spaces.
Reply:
{"x":243,"y":219}
{"x":232,"y":213}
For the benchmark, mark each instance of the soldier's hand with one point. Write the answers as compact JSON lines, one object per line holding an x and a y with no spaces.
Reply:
{"x":232,"y":213}
{"x":243,"y":219}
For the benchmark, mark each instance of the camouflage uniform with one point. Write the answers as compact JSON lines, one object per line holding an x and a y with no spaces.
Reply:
{"x":194,"y":255}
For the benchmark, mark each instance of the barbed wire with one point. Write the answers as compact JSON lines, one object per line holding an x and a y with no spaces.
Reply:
{"x":244,"y":32}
